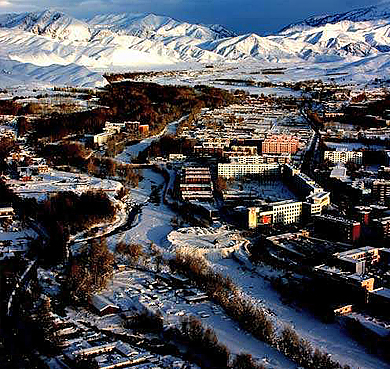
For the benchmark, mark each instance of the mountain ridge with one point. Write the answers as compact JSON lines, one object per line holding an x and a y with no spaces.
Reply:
{"x":131,"y":40}
{"x":370,"y":13}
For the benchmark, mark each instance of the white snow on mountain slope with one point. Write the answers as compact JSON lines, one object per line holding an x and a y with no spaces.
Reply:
{"x":249,"y":46}
{"x":48,"y":23}
{"x":371,"y":13}
{"x":360,"y":32}
{"x":152,"y":26}
{"x":13,"y":73}
{"x":112,"y":41}
{"x":365,"y":69}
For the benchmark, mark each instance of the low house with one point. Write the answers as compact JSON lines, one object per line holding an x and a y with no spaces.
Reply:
{"x":103,"y":306}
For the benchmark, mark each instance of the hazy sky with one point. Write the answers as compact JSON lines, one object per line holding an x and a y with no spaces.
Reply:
{"x":242,"y":16}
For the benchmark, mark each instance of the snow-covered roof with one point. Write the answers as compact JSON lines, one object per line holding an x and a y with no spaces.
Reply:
{"x":101,"y":303}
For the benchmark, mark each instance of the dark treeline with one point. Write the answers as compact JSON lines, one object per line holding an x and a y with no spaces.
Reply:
{"x":88,"y":272}
{"x":7,"y":145}
{"x":60,"y":215}
{"x":11,"y":107}
{"x":67,"y":213}
{"x":167,"y":145}
{"x":222,"y":290}
{"x":205,"y":348}
{"x":148,"y":103}
{"x":59,"y":125}
{"x":116,"y":77}
{"x":157,"y":105}
{"x":358,"y":114}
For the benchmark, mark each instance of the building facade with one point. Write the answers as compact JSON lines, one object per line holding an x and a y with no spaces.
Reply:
{"x":282,"y":212}
{"x":278,"y":144}
{"x":237,"y":170}
{"x":381,"y":190}
{"x":344,"y":156}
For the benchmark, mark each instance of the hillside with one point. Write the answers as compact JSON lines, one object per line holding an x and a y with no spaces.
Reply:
{"x":131,"y":41}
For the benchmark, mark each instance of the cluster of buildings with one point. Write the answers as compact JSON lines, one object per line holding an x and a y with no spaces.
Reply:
{"x":315,"y":199}
{"x":111,"y":129}
{"x":351,"y":270}
{"x":27,"y":164}
{"x":258,"y":126}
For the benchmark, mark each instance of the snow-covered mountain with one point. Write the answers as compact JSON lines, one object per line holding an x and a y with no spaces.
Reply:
{"x":13,"y":73}
{"x":362,"y":32}
{"x":372,"y":13}
{"x":48,"y":23}
{"x":155,"y":26}
{"x":136,"y":40}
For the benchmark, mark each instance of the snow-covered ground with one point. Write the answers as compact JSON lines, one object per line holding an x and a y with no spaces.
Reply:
{"x":134,"y":289}
{"x":268,"y":191}
{"x":15,"y":239}
{"x":328,"y":337}
{"x":152,"y":224}
{"x":56,"y":181}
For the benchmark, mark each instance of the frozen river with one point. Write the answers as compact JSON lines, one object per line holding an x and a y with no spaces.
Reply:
{"x":132,"y":151}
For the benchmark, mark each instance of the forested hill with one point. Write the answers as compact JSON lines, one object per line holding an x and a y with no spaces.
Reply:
{"x":157,"y":105}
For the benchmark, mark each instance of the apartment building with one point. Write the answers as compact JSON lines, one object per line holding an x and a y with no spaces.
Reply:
{"x":381,"y":190}
{"x":281,"y":212}
{"x":261,"y":159}
{"x":237,"y":170}
{"x":316,"y":202}
{"x":143,"y":129}
{"x":196,"y":184}
{"x":6,"y":212}
{"x":278,"y":144}
{"x":301,"y":182}
{"x":382,"y":227}
{"x":337,"y":228}
{"x":344,"y":156}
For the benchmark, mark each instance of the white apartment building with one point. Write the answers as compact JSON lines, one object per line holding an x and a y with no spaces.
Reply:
{"x":260,"y":159}
{"x":285,"y":212}
{"x":344,"y":156}
{"x":316,"y":202}
{"x":237,"y":170}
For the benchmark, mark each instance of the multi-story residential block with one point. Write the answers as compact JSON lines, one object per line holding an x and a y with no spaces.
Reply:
{"x":261,"y":159}
{"x":382,"y":227}
{"x":210,"y":148}
{"x":344,"y":156}
{"x":251,"y":150}
{"x":196,"y":184}
{"x":143,"y":129}
{"x":6,"y":212}
{"x":177,"y":157}
{"x":278,"y":144}
{"x":381,"y":190}
{"x":101,"y":138}
{"x":355,"y":260}
{"x":237,"y":170}
{"x":337,"y":228}
{"x":301,"y":182}
{"x":316,"y":202}
{"x":284,"y":212}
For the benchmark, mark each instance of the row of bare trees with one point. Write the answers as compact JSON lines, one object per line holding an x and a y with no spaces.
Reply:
{"x":250,"y":317}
